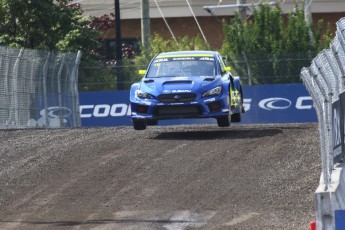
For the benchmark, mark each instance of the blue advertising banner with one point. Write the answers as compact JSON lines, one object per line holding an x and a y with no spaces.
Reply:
{"x":340,"y":219}
{"x":285,"y":103}
{"x":288,"y":103}
{"x":105,"y":108}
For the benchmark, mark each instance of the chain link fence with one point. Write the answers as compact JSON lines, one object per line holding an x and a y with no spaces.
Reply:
{"x":108,"y":77}
{"x":253,"y":69}
{"x":263,"y":68}
{"x":38,"y":88}
{"x":324,"y":79}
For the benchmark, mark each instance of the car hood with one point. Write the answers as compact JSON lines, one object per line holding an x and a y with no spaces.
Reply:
{"x":166,"y":85}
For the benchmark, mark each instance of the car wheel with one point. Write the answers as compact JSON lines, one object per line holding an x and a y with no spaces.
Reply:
{"x":223,"y":121}
{"x":139,"y":124}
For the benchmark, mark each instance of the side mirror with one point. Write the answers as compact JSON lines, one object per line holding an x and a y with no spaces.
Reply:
{"x":228,"y":68}
{"x":142,"y":72}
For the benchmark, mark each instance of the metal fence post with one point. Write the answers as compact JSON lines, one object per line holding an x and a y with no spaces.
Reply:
{"x":15,"y":90}
{"x":306,"y":76}
{"x":248,"y":68}
{"x":330,"y":59}
{"x":45,"y":94}
{"x":74,"y":91}
{"x":326,"y":125}
{"x":330,"y":94}
{"x":337,"y":56}
{"x":59,"y":88}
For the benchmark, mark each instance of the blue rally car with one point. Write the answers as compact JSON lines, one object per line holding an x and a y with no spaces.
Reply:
{"x":186,"y":84}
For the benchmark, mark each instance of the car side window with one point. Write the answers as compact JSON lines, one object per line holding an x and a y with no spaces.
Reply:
{"x":222,"y":65}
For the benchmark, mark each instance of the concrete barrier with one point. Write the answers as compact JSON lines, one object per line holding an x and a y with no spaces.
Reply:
{"x":332,"y":201}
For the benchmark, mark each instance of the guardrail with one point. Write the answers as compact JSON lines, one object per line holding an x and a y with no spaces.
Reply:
{"x":324,"y":79}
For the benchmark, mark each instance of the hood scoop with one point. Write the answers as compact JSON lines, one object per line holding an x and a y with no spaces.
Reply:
{"x":178,"y":82}
{"x":149,"y":81}
{"x":209,"y":79}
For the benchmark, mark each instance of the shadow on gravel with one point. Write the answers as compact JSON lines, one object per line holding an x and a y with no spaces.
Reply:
{"x":98,"y":222}
{"x":217,"y":134}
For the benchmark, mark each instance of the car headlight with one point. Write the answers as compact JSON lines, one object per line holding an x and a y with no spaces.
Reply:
{"x":213,"y":92}
{"x":143,"y":95}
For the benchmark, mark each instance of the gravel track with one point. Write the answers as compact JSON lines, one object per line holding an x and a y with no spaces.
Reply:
{"x":166,"y":177}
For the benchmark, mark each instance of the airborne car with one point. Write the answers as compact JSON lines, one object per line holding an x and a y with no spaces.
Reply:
{"x":186,"y":84}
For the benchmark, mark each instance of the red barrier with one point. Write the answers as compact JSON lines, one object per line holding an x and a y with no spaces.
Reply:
{"x":312,"y":225}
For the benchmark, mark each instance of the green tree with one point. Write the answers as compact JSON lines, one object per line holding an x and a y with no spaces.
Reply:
{"x":49,"y":25}
{"x":270,"y":47}
{"x":158,"y":45}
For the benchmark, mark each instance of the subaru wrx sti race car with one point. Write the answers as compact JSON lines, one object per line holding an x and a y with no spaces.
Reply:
{"x":186,"y":84}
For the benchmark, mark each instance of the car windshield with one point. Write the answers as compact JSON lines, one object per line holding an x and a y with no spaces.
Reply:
{"x":182,"y":66}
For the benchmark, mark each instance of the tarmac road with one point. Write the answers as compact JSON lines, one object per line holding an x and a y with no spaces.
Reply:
{"x":166,"y":177}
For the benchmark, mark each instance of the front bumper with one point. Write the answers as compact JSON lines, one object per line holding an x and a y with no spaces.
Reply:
{"x":211,"y":107}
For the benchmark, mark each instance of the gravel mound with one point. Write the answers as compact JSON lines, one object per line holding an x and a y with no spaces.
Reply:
{"x":166,"y":177}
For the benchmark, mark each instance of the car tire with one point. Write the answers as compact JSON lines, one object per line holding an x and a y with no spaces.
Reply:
{"x":223,"y":121}
{"x":139,"y":124}
{"x":237,"y":117}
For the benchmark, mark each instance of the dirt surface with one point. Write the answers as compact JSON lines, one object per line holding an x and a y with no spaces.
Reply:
{"x":166,"y":177}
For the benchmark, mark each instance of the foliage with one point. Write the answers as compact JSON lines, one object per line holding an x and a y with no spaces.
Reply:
{"x":270,"y":46}
{"x":79,"y":37}
{"x":103,"y":22}
{"x":128,"y":72}
{"x":49,"y":25}
{"x":158,"y":44}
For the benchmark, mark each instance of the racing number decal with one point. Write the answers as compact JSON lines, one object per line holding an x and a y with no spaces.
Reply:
{"x":235,"y":97}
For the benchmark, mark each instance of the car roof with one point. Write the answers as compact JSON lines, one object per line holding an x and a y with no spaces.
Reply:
{"x":191,"y":52}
